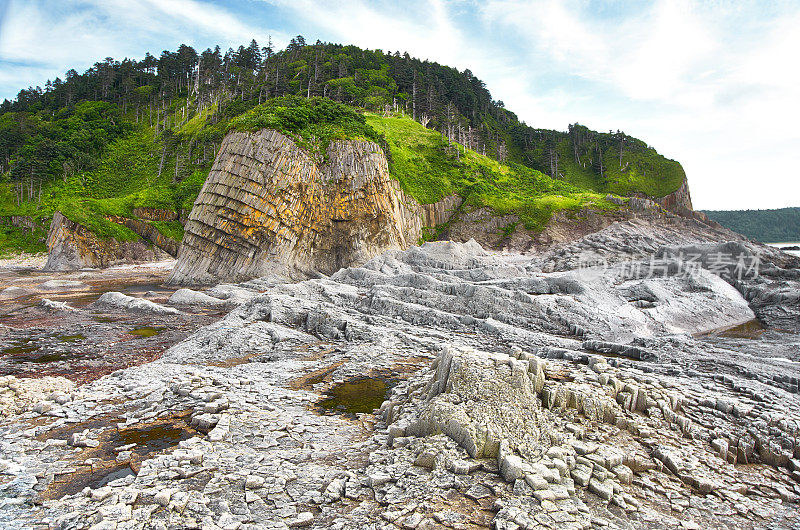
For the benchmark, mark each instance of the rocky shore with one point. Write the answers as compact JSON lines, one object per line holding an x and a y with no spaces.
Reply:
{"x":645,"y":376}
{"x":85,"y":324}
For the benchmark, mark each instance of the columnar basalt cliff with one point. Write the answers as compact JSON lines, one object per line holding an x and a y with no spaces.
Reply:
{"x":268,"y":207}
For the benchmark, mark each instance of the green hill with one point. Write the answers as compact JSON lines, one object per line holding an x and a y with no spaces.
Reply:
{"x":429,"y":169}
{"x":143,"y":134}
{"x":767,"y":226}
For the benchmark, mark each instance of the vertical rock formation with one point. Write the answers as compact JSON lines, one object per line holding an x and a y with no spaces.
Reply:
{"x":678,"y":199}
{"x":73,"y":246}
{"x":268,"y":207}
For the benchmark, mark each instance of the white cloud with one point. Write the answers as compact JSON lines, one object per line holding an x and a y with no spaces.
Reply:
{"x":706,"y":84}
{"x":423,"y":28}
{"x":40,"y":39}
{"x":710,"y":84}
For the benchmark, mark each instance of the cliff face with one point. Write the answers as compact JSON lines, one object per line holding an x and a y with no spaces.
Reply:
{"x":149,"y":233}
{"x":72,"y":246}
{"x":678,"y":199}
{"x":267,"y":208}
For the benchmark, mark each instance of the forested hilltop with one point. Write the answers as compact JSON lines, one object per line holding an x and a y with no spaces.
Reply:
{"x":767,"y":226}
{"x":136,"y":134}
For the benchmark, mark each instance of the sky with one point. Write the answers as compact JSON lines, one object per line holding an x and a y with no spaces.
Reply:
{"x":713,"y":84}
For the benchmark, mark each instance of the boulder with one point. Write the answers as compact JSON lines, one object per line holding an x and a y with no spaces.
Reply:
{"x":55,"y":305}
{"x":189,"y":297}
{"x":118,"y":301}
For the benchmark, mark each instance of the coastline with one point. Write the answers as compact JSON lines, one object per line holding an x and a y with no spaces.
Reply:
{"x":782,"y":244}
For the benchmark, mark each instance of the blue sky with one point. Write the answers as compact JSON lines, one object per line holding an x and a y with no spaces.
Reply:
{"x":712,"y":84}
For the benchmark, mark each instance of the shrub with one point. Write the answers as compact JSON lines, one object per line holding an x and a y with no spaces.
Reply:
{"x":312,"y":122}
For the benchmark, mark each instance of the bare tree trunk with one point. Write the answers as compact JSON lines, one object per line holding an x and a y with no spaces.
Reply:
{"x":414,"y":98}
{"x":602,"y":176}
{"x":161,"y":164}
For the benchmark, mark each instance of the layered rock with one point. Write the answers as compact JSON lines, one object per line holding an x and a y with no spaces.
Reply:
{"x":72,"y":246}
{"x":268,"y":208}
{"x":520,"y":398}
{"x":767,"y":278}
{"x":155,"y":214}
{"x":149,"y":233}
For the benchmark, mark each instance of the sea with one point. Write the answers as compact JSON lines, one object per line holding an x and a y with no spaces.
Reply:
{"x":788,"y":244}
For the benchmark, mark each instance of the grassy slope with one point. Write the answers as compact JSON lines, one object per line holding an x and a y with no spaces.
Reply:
{"x":642,"y":170}
{"x":126,"y":176}
{"x":312,"y":122}
{"x":428,"y":171}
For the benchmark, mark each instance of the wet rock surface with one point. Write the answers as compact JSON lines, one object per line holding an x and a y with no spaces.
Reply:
{"x":520,"y":393}
{"x":80,"y":326}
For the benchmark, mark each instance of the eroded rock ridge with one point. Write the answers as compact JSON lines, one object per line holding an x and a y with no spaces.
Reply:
{"x":574,"y":390}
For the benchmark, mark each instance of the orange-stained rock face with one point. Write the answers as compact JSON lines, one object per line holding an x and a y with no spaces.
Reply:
{"x":268,"y":208}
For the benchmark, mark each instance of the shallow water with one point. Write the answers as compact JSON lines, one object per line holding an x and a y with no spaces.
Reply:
{"x":110,"y":476}
{"x":149,"y":440}
{"x":71,"y":338}
{"x":787,"y":244}
{"x":154,"y":437}
{"x":752,"y":329}
{"x":357,"y":396}
{"x":149,"y":282}
{"x":754,"y":339}
{"x":21,"y":346}
{"x":48,"y":358}
{"x":42,"y":348}
{"x":146,"y":331}
{"x":86,"y":344}
{"x":749,"y":330}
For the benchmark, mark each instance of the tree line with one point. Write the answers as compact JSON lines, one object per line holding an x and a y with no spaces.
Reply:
{"x":767,"y":226}
{"x":53,"y":132}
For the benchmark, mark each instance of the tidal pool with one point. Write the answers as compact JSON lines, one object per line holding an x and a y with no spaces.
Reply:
{"x":751,"y":329}
{"x":356,"y":396}
{"x":145,"y":441}
{"x":146,"y":331}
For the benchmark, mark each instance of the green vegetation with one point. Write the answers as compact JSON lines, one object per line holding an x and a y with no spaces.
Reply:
{"x":143,"y":134}
{"x":603,"y":162}
{"x":429,"y":168}
{"x":14,"y":239}
{"x":171,"y":229}
{"x":312,"y":122}
{"x":767,"y":226}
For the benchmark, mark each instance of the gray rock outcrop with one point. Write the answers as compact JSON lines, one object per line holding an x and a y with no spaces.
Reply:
{"x":578,"y":389}
{"x":124,"y":302}
{"x":71,"y":246}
